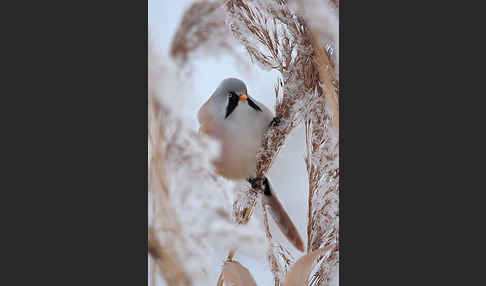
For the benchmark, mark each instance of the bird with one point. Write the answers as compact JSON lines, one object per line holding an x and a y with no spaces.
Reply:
{"x":239,"y":122}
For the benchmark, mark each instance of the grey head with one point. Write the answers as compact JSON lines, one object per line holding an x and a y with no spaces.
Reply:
{"x":230,"y":92}
{"x":232,"y":85}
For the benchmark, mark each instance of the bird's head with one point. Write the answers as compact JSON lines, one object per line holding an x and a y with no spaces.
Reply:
{"x":234,"y":91}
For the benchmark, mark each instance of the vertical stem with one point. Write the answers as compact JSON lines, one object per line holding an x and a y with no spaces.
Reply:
{"x":310,"y":220}
{"x":265,"y":222}
{"x":311,"y":186}
{"x":220,"y":280}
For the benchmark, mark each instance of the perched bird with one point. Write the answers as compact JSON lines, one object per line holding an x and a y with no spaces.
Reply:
{"x":239,"y":122}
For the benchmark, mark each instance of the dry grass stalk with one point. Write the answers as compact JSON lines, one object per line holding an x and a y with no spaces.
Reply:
{"x":167,"y":262}
{"x":300,"y":271}
{"x":276,"y":38}
{"x":280,"y":44}
{"x":163,"y":253}
{"x":322,"y":143}
{"x":188,"y":223}
{"x":328,"y":77}
{"x":322,"y":166}
{"x":322,"y":17}
{"x":279,"y":258}
{"x":323,"y":169}
{"x":202,"y":30}
{"x":164,"y":226}
{"x":309,"y":91}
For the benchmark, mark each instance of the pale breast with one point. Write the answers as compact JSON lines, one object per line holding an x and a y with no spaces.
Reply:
{"x":240,"y":135}
{"x":243,"y":134}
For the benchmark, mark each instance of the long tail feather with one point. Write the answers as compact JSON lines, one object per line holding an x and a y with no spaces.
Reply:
{"x":281,"y":217}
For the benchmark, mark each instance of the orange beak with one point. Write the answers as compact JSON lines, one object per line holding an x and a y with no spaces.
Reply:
{"x":243,"y":97}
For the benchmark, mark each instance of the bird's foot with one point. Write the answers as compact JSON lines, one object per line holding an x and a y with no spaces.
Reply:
{"x":256,"y":183}
{"x":275,"y":121}
{"x":260,"y":184}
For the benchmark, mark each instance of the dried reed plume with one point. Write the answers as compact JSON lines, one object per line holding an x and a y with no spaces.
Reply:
{"x":164,"y":256}
{"x":277,"y":37}
{"x":187,"y":224}
{"x":202,"y":31}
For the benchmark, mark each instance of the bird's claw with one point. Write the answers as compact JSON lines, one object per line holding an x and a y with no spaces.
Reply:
{"x":260,"y":184}
{"x":275,"y":121}
{"x":256,"y":183}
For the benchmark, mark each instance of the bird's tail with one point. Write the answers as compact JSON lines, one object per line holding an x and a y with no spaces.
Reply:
{"x":280,"y":216}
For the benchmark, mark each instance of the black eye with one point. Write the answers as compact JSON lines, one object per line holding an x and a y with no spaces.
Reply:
{"x":232,"y":103}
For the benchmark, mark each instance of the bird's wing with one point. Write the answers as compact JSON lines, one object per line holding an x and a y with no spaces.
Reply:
{"x":267,"y":112}
{"x":206,"y":128}
{"x":204,"y":115}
